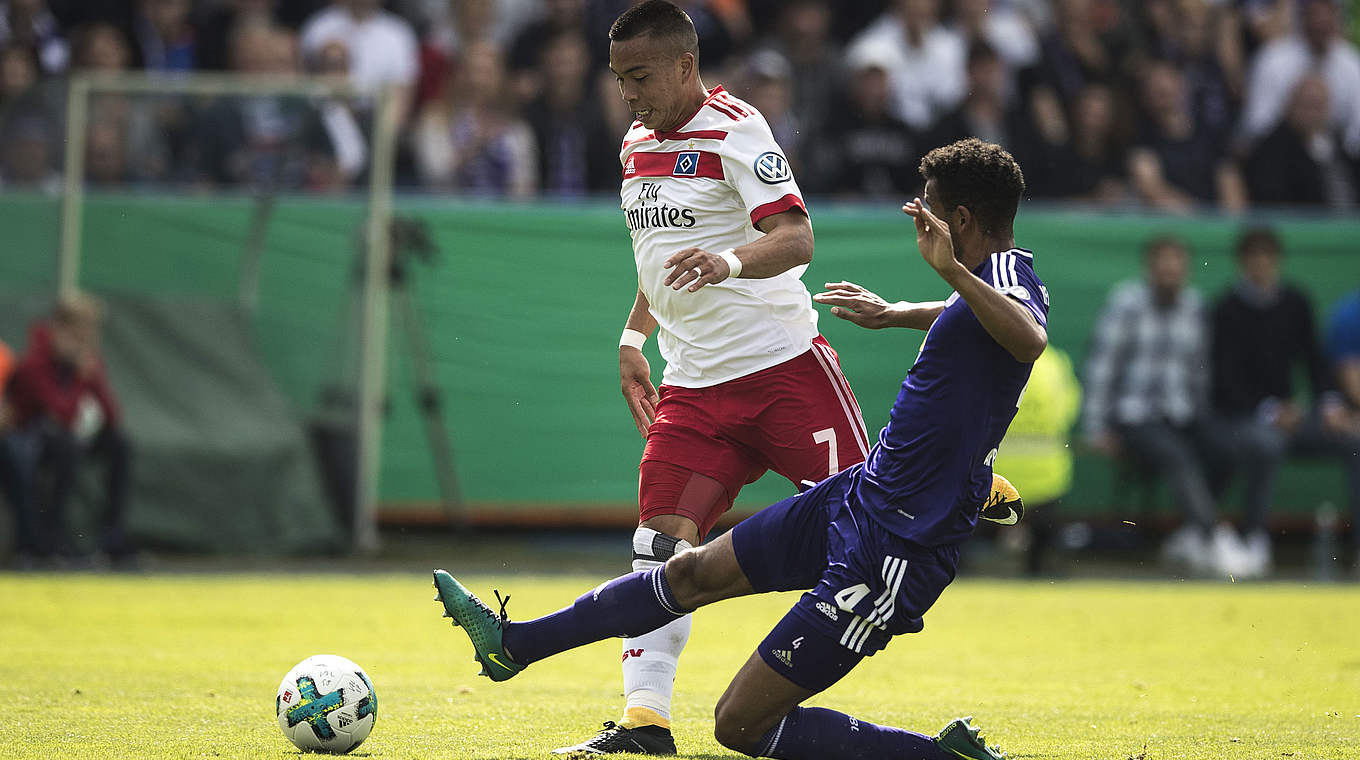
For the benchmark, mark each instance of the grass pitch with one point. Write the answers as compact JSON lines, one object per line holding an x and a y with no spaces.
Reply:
{"x":186,"y":666}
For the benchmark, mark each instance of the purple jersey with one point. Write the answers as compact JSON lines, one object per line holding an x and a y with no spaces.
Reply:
{"x":930,"y":471}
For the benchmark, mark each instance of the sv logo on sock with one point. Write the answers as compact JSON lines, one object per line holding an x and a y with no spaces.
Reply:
{"x":632,"y":653}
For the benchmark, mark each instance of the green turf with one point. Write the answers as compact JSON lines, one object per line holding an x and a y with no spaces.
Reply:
{"x":186,"y":666}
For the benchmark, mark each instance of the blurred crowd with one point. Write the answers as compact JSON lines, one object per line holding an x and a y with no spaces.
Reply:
{"x":1200,"y":393}
{"x":1208,"y":395}
{"x":1175,"y":105}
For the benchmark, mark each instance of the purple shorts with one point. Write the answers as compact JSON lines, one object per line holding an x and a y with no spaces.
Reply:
{"x":864,"y":585}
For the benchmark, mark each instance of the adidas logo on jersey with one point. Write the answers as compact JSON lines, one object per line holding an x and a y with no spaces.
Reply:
{"x":784,"y":656}
{"x":828,"y":610}
{"x":630,"y":168}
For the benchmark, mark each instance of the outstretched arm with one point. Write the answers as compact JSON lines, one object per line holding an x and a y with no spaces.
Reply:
{"x":865,"y":308}
{"x":1009,"y":323}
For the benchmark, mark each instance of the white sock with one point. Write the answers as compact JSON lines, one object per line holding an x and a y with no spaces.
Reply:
{"x":649,"y":664}
{"x":649,"y":660}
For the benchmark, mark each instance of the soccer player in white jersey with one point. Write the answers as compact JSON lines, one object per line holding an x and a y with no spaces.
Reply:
{"x":721,"y":238}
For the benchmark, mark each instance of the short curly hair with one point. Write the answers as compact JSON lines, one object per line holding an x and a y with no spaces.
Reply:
{"x":980,"y":176}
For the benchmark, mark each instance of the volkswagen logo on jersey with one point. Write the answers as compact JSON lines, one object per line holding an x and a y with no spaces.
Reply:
{"x":686,"y":164}
{"x":773,"y":168}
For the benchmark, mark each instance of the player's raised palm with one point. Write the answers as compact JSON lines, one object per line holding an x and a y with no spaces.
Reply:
{"x":932,"y":236}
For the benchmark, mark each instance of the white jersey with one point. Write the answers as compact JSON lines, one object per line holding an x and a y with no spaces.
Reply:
{"x":706,"y":185}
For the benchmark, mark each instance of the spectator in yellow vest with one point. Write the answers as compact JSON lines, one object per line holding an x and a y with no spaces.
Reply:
{"x":1035,"y":454}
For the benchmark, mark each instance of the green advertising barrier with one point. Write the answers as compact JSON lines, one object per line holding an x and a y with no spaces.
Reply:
{"x":528,"y":301}
{"x":524,"y":303}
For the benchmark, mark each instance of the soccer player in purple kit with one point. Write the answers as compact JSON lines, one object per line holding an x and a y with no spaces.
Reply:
{"x":874,"y":545}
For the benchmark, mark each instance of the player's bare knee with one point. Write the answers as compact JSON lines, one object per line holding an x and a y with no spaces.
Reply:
{"x":700,"y":576}
{"x":731,"y":731}
{"x":733,"y":736}
{"x":684,"y":576}
{"x":737,"y":730}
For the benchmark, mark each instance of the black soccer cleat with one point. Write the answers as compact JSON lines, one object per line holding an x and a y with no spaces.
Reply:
{"x":1003,"y":505}
{"x":615,"y":739}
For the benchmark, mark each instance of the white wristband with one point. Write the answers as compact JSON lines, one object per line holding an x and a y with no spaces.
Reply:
{"x":635,"y":338}
{"x":733,"y":263}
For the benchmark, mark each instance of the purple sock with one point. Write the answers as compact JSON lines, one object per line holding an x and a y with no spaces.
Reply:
{"x":813,"y":732}
{"x":630,"y":605}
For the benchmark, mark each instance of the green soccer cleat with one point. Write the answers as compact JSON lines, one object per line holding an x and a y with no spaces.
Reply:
{"x":484,"y":627}
{"x":959,"y":739}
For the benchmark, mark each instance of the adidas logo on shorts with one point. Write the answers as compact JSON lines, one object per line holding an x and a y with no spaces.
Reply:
{"x":828,"y":610}
{"x":784,"y":656}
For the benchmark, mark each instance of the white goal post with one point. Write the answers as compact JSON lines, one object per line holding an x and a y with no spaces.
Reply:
{"x":374,"y":309}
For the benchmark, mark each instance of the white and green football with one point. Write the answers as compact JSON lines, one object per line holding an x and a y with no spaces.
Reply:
{"x":326,"y":703}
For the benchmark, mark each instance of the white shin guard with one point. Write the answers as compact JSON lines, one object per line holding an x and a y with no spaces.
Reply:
{"x":650,"y":660}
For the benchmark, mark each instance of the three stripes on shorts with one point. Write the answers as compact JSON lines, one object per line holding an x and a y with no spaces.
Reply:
{"x":857,"y":632}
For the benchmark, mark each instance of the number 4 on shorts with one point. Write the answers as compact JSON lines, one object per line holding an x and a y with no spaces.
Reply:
{"x":847,"y":598}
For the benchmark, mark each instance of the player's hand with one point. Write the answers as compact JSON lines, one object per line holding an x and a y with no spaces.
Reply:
{"x":695,"y":268}
{"x":932,"y":236}
{"x":857,"y":304}
{"x":635,"y":380}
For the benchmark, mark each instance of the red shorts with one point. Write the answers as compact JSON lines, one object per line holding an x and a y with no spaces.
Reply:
{"x":799,"y":418}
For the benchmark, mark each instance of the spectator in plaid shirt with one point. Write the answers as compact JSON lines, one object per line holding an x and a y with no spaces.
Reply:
{"x":1147,"y":382}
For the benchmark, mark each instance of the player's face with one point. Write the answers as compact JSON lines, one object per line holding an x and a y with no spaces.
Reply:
{"x":651,"y":78}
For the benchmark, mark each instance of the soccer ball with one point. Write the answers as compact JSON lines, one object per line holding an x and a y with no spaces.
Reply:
{"x":326,"y":704}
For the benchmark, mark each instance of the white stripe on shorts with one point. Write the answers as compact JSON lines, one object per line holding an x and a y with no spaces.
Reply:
{"x":857,"y":642}
{"x":894,"y":580}
{"x":852,"y":631}
{"x":886,"y":572}
{"x":842,"y":392}
{"x":858,"y":421}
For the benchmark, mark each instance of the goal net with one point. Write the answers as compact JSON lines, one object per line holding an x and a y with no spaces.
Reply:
{"x":238,"y":230}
